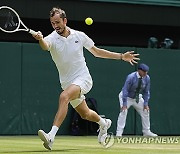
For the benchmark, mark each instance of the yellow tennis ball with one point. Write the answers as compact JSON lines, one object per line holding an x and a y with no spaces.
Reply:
{"x":89,"y":21}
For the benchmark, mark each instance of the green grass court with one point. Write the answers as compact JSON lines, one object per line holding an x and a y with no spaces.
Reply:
{"x":83,"y":145}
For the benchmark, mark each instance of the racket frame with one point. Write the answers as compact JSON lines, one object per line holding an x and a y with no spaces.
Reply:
{"x":19,"y":23}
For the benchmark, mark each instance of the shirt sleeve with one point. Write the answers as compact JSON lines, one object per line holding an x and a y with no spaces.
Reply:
{"x":125,"y":90}
{"x":87,"y":41}
{"x":146,"y":93}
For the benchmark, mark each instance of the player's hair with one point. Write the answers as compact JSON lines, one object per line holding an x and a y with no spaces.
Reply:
{"x":58,"y":11}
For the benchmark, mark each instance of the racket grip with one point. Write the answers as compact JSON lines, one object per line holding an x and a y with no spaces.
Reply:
{"x":32,"y":32}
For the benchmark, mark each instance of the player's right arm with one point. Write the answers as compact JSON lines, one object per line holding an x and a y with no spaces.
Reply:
{"x":43,"y":44}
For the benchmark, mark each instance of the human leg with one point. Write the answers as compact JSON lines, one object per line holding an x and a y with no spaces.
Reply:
{"x":145,"y":118}
{"x":91,"y":115}
{"x":121,"y":122}
{"x":70,"y":93}
{"x":86,"y":113}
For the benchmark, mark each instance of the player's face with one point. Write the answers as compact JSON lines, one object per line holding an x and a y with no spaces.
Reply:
{"x":58,"y":23}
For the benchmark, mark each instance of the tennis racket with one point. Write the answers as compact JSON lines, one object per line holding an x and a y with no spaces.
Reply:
{"x":10,"y":21}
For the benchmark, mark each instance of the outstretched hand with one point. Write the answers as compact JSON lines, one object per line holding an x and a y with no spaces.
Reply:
{"x":130,"y":57}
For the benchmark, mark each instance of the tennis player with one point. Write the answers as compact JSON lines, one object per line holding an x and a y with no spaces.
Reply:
{"x":66,"y":48}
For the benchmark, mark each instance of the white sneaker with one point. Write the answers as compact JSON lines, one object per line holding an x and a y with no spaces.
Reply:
{"x":48,"y":142}
{"x":149,"y":133}
{"x":103,"y":131}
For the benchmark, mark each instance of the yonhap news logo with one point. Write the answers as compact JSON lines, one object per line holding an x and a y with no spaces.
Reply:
{"x":148,"y":140}
{"x":111,"y":140}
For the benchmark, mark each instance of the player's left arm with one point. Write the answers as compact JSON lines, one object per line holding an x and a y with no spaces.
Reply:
{"x":128,"y":56}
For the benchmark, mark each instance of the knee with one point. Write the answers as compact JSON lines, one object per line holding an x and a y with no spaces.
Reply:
{"x":64,"y":98}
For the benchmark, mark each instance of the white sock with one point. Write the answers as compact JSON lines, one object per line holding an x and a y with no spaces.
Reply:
{"x":101,"y":122}
{"x":53,"y":131}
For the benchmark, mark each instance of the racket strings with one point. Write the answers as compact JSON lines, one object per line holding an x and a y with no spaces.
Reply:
{"x":8,"y":20}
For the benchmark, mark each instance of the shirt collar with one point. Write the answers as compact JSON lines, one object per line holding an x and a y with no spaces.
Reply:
{"x":71,"y":30}
{"x":138,"y":76}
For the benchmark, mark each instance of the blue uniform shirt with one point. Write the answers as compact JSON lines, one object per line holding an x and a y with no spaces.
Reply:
{"x":131,"y":83}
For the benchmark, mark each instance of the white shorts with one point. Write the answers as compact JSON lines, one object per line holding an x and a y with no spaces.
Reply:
{"x":85,"y":83}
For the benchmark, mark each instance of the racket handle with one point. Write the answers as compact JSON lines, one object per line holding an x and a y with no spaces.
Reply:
{"x":32,"y":32}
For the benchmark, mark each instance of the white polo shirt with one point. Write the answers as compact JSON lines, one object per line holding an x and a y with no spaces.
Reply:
{"x":67,"y":53}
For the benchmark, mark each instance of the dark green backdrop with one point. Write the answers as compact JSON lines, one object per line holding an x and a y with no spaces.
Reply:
{"x":29,"y":89}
